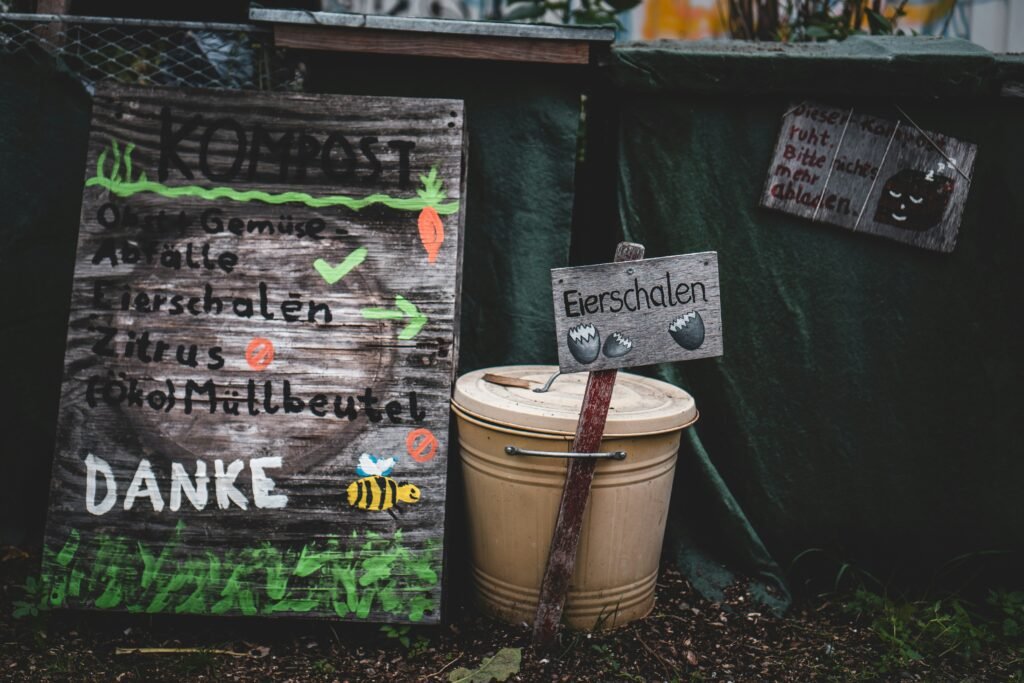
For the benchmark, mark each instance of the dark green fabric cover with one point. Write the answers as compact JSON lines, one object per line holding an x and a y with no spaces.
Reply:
{"x":868,"y":401}
{"x":885,"y":66}
{"x":44,"y":122}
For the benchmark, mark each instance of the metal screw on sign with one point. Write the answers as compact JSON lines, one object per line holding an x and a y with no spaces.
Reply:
{"x":580,"y":474}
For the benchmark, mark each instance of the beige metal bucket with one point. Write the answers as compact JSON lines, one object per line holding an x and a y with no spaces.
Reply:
{"x":513,"y":501}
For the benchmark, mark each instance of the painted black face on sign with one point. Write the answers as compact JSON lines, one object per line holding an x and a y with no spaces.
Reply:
{"x":914,"y":200}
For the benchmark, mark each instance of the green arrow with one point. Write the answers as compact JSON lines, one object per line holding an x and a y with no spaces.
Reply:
{"x":405,"y":310}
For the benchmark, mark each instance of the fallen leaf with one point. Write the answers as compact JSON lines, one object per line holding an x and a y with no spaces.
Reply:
{"x":691,"y":658}
{"x":12,"y":553}
{"x":497,"y":668}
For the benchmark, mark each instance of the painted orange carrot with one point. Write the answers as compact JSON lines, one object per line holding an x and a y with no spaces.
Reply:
{"x":431,"y":232}
{"x":431,"y":228}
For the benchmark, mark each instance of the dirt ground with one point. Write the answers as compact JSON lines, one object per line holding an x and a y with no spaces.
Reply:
{"x":684,"y":639}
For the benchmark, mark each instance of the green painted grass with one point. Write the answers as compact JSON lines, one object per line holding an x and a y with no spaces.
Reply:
{"x":351,"y":577}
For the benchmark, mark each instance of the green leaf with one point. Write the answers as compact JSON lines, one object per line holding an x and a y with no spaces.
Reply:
{"x":67,"y":553}
{"x":593,"y":16}
{"x":524,"y":10}
{"x":100,"y":163}
{"x":878,"y":23}
{"x":129,"y":148}
{"x":816,"y":33}
{"x":497,"y":668}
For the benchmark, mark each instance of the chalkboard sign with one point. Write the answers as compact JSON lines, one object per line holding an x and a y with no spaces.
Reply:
{"x":254,"y":413}
{"x":858,"y":171}
{"x":620,"y":315}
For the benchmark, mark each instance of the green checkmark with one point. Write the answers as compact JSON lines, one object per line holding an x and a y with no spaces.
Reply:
{"x":332,"y":274}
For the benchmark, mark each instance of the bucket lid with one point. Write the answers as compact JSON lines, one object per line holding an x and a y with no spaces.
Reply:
{"x":640,"y":405}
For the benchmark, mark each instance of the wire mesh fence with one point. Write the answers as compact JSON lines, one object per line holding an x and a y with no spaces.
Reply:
{"x":144,"y":52}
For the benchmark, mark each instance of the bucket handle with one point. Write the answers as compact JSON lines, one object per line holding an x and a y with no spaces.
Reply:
{"x":547,"y":385}
{"x":614,"y":455}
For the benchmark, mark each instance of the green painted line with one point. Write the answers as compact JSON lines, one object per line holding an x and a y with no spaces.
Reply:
{"x":332,"y":274}
{"x":381,"y":314}
{"x":122,"y":189}
{"x":123,"y":186}
{"x":406,"y":309}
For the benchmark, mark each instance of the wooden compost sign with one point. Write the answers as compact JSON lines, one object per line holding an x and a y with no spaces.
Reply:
{"x":254,"y":410}
{"x":869,"y":174}
{"x":619,"y":315}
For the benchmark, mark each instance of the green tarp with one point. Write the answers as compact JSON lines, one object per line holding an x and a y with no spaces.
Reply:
{"x":867,"y":404}
{"x":44,"y":123}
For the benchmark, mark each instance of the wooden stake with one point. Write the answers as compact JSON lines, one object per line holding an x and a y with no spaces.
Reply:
{"x":589,"y":431}
{"x":52,"y":32}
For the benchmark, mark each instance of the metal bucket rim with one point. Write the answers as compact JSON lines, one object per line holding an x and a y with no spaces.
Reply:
{"x":518,"y":430}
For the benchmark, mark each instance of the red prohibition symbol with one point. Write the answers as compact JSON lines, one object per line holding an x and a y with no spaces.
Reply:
{"x":421,"y":445}
{"x":259,"y":353}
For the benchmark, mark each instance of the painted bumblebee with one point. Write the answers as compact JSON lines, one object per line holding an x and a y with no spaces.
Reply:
{"x":376,"y":491}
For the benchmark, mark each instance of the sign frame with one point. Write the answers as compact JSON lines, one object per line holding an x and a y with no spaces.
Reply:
{"x":598,"y":327}
{"x":254,"y":410}
{"x":848,"y":167}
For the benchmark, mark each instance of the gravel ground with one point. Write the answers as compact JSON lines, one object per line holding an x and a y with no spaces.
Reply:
{"x":685,"y":638}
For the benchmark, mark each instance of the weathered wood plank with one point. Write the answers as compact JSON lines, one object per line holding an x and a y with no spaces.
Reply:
{"x":616,"y":315}
{"x":859,"y":171}
{"x":275,"y":297}
{"x":52,"y":6}
{"x":580,"y":474}
{"x":504,"y":29}
{"x":52,"y":32}
{"x":454,"y":46}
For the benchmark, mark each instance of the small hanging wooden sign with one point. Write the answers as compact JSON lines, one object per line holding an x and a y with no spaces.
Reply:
{"x":852,"y":169}
{"x":620,"y":315}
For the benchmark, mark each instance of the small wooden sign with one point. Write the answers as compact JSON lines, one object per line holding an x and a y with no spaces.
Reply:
{"x":858,"y":171}
{"x":254,"y":413}
{"x":620,"y":315}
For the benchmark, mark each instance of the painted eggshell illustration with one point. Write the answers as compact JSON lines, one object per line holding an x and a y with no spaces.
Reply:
{"x":617,"y":345}
{"x":584,"y":343}
{"x":688,"y":330}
